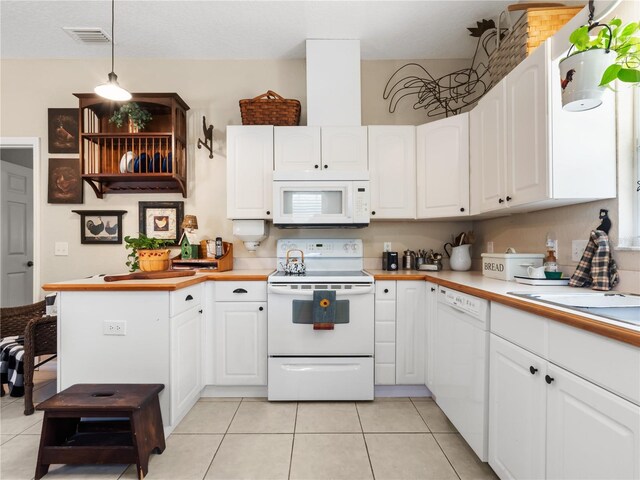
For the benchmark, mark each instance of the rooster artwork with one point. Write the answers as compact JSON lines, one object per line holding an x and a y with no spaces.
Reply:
{"x":566,"y":81}
{"x":65,"y":182}
{"x":63,"y":130}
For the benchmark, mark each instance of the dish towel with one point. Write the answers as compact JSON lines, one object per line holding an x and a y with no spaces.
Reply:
{"x":324,"y":309}
{"x":596,"y":268}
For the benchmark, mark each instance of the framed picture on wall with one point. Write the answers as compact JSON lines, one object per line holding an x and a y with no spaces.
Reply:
{"x":161,"y":220}
{"x":100,"y":226}
{"x":64,"y":183}
{"x":63,"y":130}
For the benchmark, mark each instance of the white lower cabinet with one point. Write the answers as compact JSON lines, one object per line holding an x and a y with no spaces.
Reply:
{"x":399,"y":332}
{"x":240,"y":334}
{"x":545,"y":422}
{"x":430,"y":320}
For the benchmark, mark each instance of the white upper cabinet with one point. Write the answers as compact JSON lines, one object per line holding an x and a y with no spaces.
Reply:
{"x":344,"y":149}
{"x":315,"y":149}
{"x":297,"y":148}
{"x":527,"y":166}
{"x":488,"y":151}
{"x":551,"y":157}
{"x":392,"y":169}
{"x":443,"y":168}
{"x":249,"y":171}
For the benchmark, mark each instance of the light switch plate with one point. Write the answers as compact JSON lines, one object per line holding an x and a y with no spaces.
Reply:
{"x":61,"y":249}
{"x":577,"y":249}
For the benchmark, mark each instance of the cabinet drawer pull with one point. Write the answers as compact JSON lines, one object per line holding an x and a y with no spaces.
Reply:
{"x":326,"y":166}
{"x":189,"y":297}
{"x":500,"y":200}
{"x":316,"y":166}
{"x":261,"y":308}
{"x":548,"y":379}
{"x":373,"y":213}
{"x":462,"y":209}
{"x":508,"y":198}
{"x":433,"y":289}
{"x":268,"y":212}
{"x":200,"y":311}
{"x":386,"y":290}
{"x":239,"y":290}
{"x":533,"y":370}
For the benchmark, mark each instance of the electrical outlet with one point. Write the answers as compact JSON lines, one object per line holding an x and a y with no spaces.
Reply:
{"x":386,"y":247}
{"x":577,"y":249}
{"x":114,"y":327}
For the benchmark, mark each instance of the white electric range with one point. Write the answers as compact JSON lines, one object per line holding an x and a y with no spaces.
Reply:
{"x":306,"y":363}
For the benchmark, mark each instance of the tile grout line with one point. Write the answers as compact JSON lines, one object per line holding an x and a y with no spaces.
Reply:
{"x":446,"y":456}
{"x":293,"y":439}
{"x":224,"y":435}
{"x":364,"y":438}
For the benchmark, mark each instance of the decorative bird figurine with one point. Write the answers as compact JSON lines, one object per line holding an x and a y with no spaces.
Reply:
{"x":95,"y":228}
{"x":111,"y":230}
{"x":567,"y":80}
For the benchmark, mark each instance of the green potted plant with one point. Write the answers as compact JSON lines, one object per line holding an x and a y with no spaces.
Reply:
{"x":595,"y":61}
{"x":147,"y":254}
{"x":136,"y":116}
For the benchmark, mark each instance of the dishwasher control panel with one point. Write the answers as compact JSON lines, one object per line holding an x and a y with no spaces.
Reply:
{"x":474,"y":306}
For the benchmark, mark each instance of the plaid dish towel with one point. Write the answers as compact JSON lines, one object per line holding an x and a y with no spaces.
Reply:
{"x":596,"y":268}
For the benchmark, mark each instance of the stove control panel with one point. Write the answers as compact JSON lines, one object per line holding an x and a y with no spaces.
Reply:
{"x":331,"y":248}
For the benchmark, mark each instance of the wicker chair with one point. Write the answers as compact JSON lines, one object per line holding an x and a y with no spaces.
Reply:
{"x":40,"y":338}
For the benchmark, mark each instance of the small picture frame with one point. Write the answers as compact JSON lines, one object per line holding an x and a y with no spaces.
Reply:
{"x":100,"y":226}
{"x":161,"y":220}
{"x":63,"y":130}
{"x":64,"y":183}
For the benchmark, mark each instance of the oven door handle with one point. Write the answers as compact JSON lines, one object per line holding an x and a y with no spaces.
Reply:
{"x":285,"y":290}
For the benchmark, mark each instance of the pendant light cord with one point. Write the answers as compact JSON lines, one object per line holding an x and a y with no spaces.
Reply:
{"x":113,"y":36}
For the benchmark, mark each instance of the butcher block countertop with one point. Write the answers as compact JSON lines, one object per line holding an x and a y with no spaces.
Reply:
{"x":169,"y":284}
{"x":474,"y":283}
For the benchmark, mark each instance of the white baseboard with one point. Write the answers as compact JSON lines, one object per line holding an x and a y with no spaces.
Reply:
{"x":401,"y":391}
{"x":234,"y":391}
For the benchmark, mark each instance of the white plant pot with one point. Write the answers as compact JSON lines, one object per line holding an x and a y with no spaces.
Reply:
{"x":580,"y":75}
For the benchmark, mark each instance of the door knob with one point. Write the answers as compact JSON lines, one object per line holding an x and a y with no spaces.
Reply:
{"x":261,"y":308}
{"x":29,"y":263}
{"x":533,"y":370}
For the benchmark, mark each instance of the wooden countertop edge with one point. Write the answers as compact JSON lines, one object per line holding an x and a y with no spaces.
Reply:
{"x":399,"y":276}
{"x":149,"y":287}
{"x":601,"y":328}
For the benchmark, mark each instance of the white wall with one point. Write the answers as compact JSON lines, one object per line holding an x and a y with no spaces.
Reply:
{"x":210,"y":88}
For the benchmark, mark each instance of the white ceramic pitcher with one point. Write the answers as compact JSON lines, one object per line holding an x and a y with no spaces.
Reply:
{"x":460,"y":258}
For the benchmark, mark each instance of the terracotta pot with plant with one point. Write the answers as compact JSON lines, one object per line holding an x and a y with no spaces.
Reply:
{"x":132,"y":113}
{"x":147,"y":254}
{"x":596,"y":61}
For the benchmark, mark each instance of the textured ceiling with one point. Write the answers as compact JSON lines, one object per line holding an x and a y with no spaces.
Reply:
{"x":242,"y":29}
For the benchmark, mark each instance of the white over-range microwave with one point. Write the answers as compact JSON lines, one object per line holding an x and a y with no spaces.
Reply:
{"x":321,"y":203}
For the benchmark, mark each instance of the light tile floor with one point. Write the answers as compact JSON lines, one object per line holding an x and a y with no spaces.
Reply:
{"x":403,"y":438}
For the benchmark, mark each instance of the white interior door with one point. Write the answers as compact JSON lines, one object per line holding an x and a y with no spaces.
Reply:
{"x":16,"y":212}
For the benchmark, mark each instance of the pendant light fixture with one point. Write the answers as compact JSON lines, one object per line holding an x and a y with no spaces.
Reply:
{"x":112,"y":90}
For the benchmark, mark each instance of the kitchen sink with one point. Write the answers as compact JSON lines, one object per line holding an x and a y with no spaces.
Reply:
{"x":624,"y":307}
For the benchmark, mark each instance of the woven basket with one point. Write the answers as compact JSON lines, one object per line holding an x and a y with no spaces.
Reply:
{"x":153,"y":260}
{"x":528,"y":32}
{"x":270,"y":109}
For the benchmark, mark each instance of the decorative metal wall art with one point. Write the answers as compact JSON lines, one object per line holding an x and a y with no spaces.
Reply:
{"x":208,"y":137}
{"x":449,"y":94}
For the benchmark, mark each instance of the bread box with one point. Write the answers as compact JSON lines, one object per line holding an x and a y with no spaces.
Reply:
{"x":504,"y":266}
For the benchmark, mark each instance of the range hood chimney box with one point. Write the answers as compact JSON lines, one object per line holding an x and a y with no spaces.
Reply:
{"x":333,"y":83}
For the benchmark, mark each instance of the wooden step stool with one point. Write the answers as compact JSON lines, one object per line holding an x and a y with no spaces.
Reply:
{"x":66,"y":439}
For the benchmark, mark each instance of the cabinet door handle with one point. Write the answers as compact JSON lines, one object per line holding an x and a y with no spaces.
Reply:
{"x":508,"y":198}
{"x":386,"y":290}
{"x":200,"y":311}
{"x":268,"y":212}
{"x":500,"y":200}
{"x":548,"y":379}
{"x":188,"y":298}
{"x":373,"y":213}
{"x":317,"y":166}
{"x":326,"y":166}
{"x":433,"y":289}
{"x":533,"y":370}
{"x":239,"y":290}
{"x":462,"y":209}
{"x":261,"y":308}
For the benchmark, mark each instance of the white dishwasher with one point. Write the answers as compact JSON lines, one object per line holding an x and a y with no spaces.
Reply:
{"x":461,"y":361}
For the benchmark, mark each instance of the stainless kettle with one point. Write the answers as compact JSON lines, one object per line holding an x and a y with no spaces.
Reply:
{"x":409,"y":260}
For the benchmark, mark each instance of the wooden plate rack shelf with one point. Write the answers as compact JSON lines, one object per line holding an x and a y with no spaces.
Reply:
{"x":115,"y":160}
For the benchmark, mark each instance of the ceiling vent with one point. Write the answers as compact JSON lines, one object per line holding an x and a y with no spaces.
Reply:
{"x":91,"y":35}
